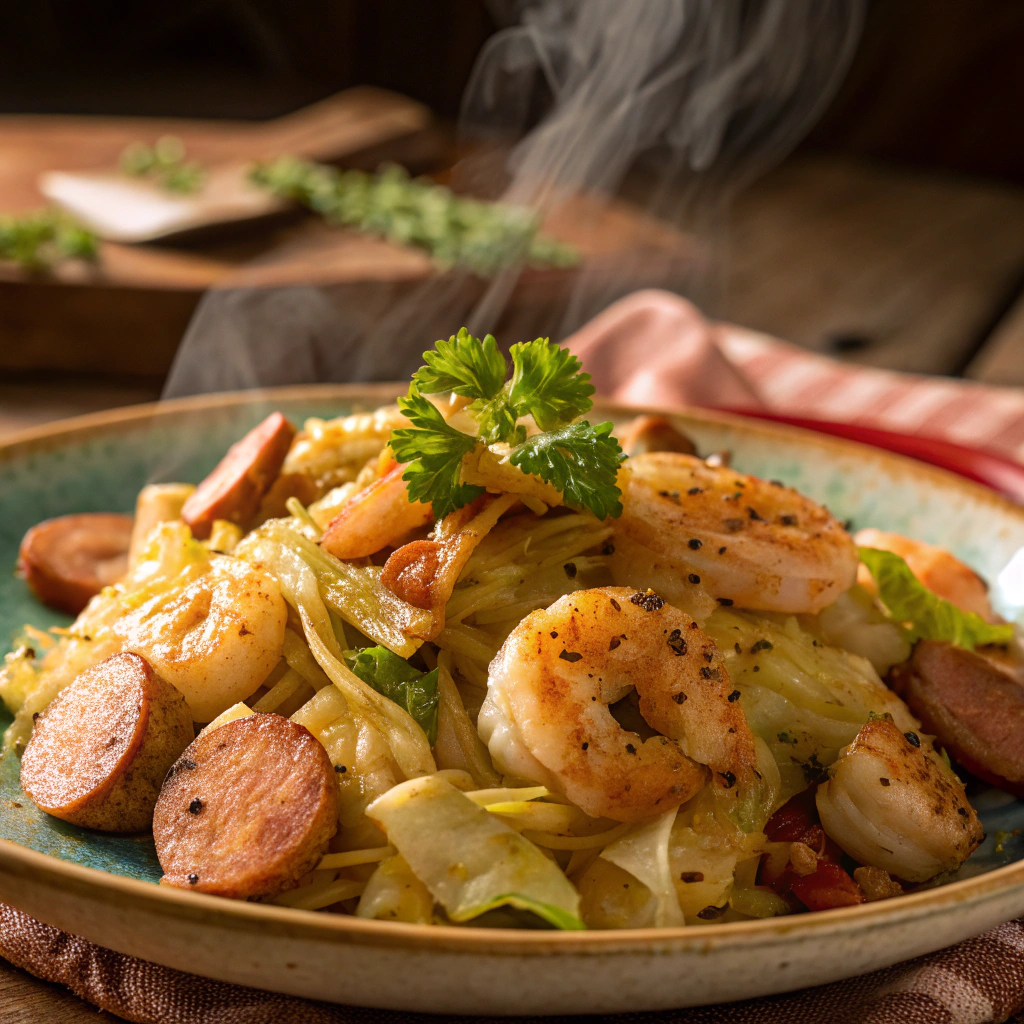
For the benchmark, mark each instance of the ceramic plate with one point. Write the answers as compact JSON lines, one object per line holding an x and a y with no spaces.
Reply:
{"x":102,"y":887}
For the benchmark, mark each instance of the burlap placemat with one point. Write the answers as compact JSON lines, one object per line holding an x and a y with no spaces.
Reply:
{"x":975,"y":982}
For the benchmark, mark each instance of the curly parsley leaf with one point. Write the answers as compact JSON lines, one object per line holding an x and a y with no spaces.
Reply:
{"x":547,"y":383}
{"x":434,"y":451}
{"x":463,"y":365}
{"x":496,"y":419}
{"x":925,"y":614}
{"x":581,"y":461}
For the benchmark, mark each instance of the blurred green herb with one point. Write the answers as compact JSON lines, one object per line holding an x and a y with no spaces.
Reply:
{"x":455,"y":230}
{"x":165,"y":163}
{"x":38,"y":240}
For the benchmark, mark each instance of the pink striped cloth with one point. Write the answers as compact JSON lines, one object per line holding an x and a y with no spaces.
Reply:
{"x":655,"y":348}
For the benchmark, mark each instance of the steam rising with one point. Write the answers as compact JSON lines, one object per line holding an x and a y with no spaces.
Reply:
{"x":671,"y":104}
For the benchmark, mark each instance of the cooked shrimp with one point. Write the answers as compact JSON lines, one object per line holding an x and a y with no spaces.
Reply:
{"x":216,"y":639}
{"x":376,"y":517}
{"x":546,"y":716}
{"x":935,"y":567}
{"x":891,"y":803}
{"x":747,"y":542}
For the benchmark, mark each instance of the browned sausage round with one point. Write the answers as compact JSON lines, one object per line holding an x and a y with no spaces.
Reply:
{"x":975,"y":708}
{"x":234,"y":489}
{"x":247,"y":810}
{"x":100,"y":751}
{"x":69,"y":559}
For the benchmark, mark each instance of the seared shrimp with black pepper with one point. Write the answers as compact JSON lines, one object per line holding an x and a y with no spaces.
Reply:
{"x":546,"y":718}
{"x":893,"y":803}
{"x":742,"y":540}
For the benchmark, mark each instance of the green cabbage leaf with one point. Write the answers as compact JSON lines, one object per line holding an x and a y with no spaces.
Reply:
{"x":924,"y":614}
{"x":396,"y":679}
{"x":470,"y":860}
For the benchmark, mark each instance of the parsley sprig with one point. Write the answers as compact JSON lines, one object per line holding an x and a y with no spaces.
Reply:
{"x":576,"y":458}
{"x":456,"y":230}
{"x":39,"y":240}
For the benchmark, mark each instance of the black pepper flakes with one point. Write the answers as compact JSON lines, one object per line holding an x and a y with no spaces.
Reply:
{"x":692,"y":876}
{"x":616,"y":605}
{"x":193,"y":879}
{"x":734,"y":696}
{"x":630,"y":749}
{"x":721,"y":551}
{"x":752,"y":512}
{"x":757,"y":668}
{"x":554,"y":634}
{"x":677,"y":643}
{"x":737,"y":648}
{"x":884,"y":781}
{"x":679,"y":698}
{"x":728,"y":779}
{"x":693,"y":578}
{"x":695,"y":490}
{"x":962,"y":811}
{"x":913,"y":739}
{"x":725,"y":602}
{"x":761,"y":645}
{"x":340,"y":769}
{"x":711,"y":673}
{"x":614,"y":642}
{"x":583,"y":746}
{"x":650,"y":602}
{"x":570,"y":656}
{"x":570,"y":570}
{"x":695,"y":544}
{"x":787,"y":520}
{"x":196,"y":806}
{"x":608,"y":549}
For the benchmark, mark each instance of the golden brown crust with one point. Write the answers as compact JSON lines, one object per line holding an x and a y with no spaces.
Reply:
{"x":68,"y":560}
{"x":247,"y":810}
{"x":905,"y":760}
{"x":99,"y":753}
{"x":234,"y":489}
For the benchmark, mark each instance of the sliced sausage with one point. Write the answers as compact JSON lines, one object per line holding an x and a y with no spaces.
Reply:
{"x":376,"y":517}
{"x":973,"y":706}
{"x":68,"y":560}
{"x":654,"y":434}
{"x":234,"y":489}
{"x":156,"y":503}
{"x":100,"y":751}
{"x":247,"y":810}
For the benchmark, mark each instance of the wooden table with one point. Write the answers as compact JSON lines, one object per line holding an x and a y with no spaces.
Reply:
{"x":906,"y":270}
{"x":27,"y":1000}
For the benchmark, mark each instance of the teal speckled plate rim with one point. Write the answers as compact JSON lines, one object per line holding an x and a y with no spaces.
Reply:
{"x":1006,"y":532}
